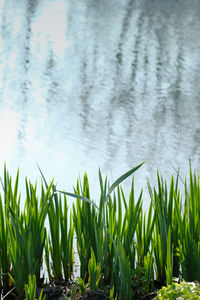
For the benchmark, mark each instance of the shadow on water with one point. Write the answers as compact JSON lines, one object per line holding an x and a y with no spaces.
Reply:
{"x":31,"y":7}
{"x":123,"y":35}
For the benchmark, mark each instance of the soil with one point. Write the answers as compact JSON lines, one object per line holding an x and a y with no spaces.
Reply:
{"x":59,"y":291}
{"x":62,"y":291}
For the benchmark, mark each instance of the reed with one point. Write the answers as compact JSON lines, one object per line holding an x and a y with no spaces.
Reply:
{"x":119,"y":244}
{"x":145,"y":245}
{"x":85,"y":216}
{"x":85,"y":222}
{"x":67,"y":237}
{"x":11,"y":199}
{"x":94,"y":271}
{"x":30,"y":289}
{"x":27,"y":236}
{"x":54,"y":240}
{"x":189,"y":229}
{"x":165,"y":217}
{"x":59,"y":244}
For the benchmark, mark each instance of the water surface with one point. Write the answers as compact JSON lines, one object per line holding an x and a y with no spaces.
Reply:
{"x":99,"y":84}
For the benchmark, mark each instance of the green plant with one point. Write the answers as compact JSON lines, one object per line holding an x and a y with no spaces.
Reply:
{"x":59,"y":245}
{"x":130,"y":223}
{"x":165,"y":216}
{"x":169,"y":266}
{"x":144,"y":232}
{"x":73,"y":293}
{"x":119,"y":244}
{"x":84,"y":219}
{"x":30,"y":289}
{"x":94,"y":271}
{"x":54,"y":240}
{"x":4,"y":244}
{"x":120,"y":239}
{"x":120,"y":258}
{"x":149,"y":270}
{"x":11,"y":199}
{"x":67,"y":236}
{"x":127,"y":247}
{"x":27,"y":236}
{"x":60,"y":241}
{"x":80,"y":283}
{"x":184,"y":290}
{"x":189,"y":229}
{"x":111,"y":294}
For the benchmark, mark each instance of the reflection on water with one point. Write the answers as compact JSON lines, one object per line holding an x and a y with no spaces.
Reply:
{"x":99,"y":84}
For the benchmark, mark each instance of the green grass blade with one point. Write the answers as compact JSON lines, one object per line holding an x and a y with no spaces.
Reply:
{"x":122,"y":178}
{"x":78,"y":197}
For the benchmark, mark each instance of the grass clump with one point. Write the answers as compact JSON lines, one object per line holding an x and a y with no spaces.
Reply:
{"x":30,"y":289}
{"x":123,"y":249}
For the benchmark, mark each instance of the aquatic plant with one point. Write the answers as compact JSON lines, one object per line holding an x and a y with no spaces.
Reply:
{"x":27,"y":236}
{"x":189,"y":229}
{"x":183,"y":290}
{"x":12,"y":200}
{"x":119,"y":244}
{"x":30,"y":289}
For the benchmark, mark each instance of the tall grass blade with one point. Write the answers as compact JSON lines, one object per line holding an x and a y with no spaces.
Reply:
{"x":122,"y":178}
{"x":169,"y":266}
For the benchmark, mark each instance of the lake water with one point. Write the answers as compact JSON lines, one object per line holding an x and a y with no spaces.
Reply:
{"x":87,"y":84}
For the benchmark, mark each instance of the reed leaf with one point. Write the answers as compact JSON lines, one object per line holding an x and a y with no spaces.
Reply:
{"x":169,"y":266}
{"x":122,"y":178}
{"x":67,"y":236}
{"x":189,"y":229}
{"x":28,"y":236}
{"x":11,"y":198}
{"x":94,"y":271}
{"x":60,"y":241}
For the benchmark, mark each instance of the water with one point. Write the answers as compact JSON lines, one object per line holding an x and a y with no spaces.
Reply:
{"x":99,"y":84}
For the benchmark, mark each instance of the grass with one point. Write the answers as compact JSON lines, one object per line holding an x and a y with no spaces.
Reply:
{"x":120,"y":246}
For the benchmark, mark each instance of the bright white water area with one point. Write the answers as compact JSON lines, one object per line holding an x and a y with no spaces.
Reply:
{"x":104,"y":84}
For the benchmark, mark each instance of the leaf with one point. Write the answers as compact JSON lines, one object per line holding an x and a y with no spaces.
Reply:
{"x":79,"y":197}
{"x":122,"y":178}
{"x":46,"y":184}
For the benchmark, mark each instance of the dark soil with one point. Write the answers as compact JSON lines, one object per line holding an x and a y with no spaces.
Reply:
{"x":61,"y":291}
